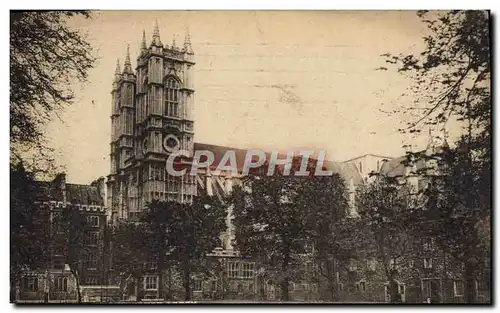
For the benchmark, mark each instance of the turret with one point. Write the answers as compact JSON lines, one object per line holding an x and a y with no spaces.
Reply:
{"x":118,"y":74}
{"x":187,"y":44}
{"x":156,"y":44}
{"x":143,"y":42}
{"x":127,"y":68}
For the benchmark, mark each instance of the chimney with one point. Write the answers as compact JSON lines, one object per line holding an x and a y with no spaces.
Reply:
{"x":60,"y":183}
{"x":100,"y":185}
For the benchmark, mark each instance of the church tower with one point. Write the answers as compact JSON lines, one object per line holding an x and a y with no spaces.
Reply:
{"x":152,"y":117}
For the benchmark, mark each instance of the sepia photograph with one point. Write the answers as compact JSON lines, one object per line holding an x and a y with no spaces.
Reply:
{"x":250,"y":157}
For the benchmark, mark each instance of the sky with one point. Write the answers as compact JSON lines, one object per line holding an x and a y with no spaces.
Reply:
{"x":263,"y":79}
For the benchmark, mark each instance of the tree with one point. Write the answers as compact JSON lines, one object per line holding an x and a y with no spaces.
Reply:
{"x":332,"y":234}
{"x":46,"y":57}
{"x":273,"y":219}
{"x":451,"y":80}
{"x":29,"y":227}
{"x":457,"y":212}
{"x":383,"y":208}
{"x":128,"y":248}
{"x":188,"y":231}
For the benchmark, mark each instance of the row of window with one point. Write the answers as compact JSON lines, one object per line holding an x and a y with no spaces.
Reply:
{"x":160,"y":173}
{"x":240,"y":269}
{"x":92,"y":238}
{"x":30,"y":284}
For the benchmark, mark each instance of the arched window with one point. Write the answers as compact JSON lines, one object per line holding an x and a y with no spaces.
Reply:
{"x":172,"y":97}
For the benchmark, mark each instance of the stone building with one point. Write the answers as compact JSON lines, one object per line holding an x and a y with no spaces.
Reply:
{"x":72,"y":220}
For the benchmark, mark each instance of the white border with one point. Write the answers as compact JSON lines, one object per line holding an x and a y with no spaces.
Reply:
{"x":203,"y":5}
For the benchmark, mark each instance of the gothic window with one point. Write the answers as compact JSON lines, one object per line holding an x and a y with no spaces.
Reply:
{"x":61,"y":284}
{"x":30,"y":284}
{"x":151,"y":283}
{"x":129,"y":91}
{"x":172,"y":97}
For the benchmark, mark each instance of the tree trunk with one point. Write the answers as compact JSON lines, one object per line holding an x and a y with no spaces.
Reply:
{"x":186,"y":281}
{"x":78,"y":293}
{"x":332,"y":279}
{"x":470,"y":286}
{"x":262,"y":288}
{"x":285,"y":296}
{"x":395,"y":297}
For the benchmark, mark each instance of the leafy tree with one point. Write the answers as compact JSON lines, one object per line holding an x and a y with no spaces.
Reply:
{"x":128,"y":249}
{"x":383,"y":208}
{"x":188,"y":231}
{"x":273,"y":219}
{"x":451,"y":80}
{"x":46,"y":57}
{"x":457,"y":212}
{"x":326,"y":196}
{"x":29,"y":227}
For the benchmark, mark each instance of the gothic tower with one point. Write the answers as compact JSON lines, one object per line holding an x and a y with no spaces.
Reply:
{"x":152,"y":117}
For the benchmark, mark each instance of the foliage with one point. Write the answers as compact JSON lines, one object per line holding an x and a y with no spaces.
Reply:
{"x":186,"y":231}
{"x":29,"y":237}
{"x":128,"y":248}
{"x":278,"y":218}
{"x":451,"y":80}
{"x":451,"y":76}
{"x":383,"y":207}
{"x":46,"y":58}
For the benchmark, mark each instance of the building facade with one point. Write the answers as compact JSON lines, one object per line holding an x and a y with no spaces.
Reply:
{"x":72,"y":219}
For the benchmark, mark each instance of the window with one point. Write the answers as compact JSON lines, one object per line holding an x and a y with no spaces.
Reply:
{"x":362,"y":286}
{"x":291,"y":287}
{"x":92,"y":238}
{"x":91,"y":260}
{"x":151,"y":263}
{"x":197,"y":285}
{"x":340,"y":287}
{"x":232,"y":269}
{"x":93,"y":220}
{"x":426,"y":289}
{"x":151,"y":283}
{"x":247,"y":270}
{"x":61,"y":284}
{"x":30,"y":284}
{"x":401,"y":289}
{"x":172,"y":97}
{"x":458,"y":288}
{"x":240,"y":269}
{"x":129,"y":95}
{"x":428,"y":244}
{"x":427,"y":263}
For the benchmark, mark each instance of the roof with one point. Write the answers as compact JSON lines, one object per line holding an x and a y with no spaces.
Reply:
{"x":375,"y":155}
{"x":75,"y":193}
{"x":346,"y":171}
{"x":83,"y":194}
{"x":396,"y":167}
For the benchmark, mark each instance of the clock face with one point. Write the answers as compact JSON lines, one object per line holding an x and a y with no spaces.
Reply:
{"x":171,"y":143}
